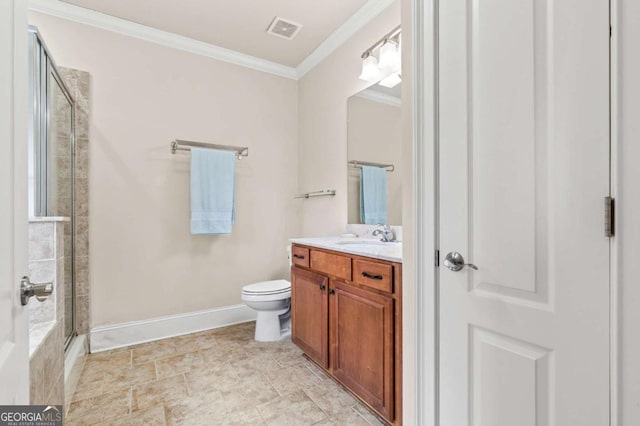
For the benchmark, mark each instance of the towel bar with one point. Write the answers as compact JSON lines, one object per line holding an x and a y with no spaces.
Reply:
{"x":177,"y":145}
{"x":322,"y":193}
{"x":359,"y":164}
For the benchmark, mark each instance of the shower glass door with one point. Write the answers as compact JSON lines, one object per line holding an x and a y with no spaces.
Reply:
{"x":51,"y":155}
{"x":60,"y":178}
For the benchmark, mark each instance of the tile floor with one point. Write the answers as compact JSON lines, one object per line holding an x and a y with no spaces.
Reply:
{"x":216,"y":377}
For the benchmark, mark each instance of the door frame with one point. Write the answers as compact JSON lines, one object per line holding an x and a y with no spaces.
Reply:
{"x":615,"y":278}
{"x":422,"y":319}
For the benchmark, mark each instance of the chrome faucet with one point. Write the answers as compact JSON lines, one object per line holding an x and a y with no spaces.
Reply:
{"x":386,"y":234}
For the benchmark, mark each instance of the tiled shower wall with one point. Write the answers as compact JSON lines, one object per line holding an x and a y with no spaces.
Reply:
{"x":46,"y":319}
{"x":78,"y":83}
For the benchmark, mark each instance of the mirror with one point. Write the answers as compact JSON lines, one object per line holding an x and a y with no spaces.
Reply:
{"x":374,"y":132}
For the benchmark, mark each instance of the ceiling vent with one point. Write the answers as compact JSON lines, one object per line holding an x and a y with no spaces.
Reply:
{"x":284,"y":28}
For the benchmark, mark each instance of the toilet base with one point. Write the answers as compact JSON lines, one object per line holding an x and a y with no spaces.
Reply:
{"x":272,"y":326}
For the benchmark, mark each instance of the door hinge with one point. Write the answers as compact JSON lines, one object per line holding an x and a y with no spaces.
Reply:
{"x":609,"y":217}
{"x":437,"y":258}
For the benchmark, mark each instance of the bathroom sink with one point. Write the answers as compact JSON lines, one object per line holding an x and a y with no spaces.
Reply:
{"x":363,"y":243}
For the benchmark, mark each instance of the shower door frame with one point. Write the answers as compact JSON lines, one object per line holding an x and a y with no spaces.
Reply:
{"x":41,"y":70}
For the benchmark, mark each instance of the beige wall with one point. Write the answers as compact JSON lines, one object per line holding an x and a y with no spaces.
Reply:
{"x":322,"y":102}
{"x":375,"y":134}
{"x":144,"y":262}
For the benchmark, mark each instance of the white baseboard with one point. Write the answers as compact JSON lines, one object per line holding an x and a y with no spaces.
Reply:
{"x":131,"y":333}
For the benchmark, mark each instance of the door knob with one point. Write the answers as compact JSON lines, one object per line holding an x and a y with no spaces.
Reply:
{"x":455,"y":262}
{"x":27,"y":289}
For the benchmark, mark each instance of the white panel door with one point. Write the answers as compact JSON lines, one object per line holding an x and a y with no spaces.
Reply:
{"x":14,"y":338}
{"x":524,"y":168}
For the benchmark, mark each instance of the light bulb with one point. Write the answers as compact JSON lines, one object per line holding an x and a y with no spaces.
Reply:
{"x":370,"y":69}
{"x":391,"y":80}
{"x":389,"y":57}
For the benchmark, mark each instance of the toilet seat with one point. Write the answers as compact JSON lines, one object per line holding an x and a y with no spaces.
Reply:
{"x":266,"y":291}
{"x":257,"y":297}
{"x":274,"y":287}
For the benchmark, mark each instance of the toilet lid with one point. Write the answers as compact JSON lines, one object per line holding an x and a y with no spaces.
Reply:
{"x":268,"y":287}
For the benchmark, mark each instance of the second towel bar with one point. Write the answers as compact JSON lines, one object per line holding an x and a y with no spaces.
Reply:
{"x":322,"y":193}
{"x":359,"y":164}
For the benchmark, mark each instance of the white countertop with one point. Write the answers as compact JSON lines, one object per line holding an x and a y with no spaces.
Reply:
{"x":354,"y":245}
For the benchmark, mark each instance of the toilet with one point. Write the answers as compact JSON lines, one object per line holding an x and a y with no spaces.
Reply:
{"x":272,"y":301}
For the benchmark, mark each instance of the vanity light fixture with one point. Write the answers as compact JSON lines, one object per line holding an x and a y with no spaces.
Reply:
{"x":389,"y":57}
{"x":386,"y":70}
{"x":391,"y":80}
{"x":370,"y":69}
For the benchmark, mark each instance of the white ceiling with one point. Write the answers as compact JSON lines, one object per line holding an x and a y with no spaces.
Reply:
{"x":238,"y":25}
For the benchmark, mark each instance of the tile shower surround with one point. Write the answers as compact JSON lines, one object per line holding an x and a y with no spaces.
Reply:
{"x":47,"y":361}
{"x":219,"y":376}
{"x":79,"y":85}
{"x":46,"y":319}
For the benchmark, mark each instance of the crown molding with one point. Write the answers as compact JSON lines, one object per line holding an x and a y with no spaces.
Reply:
{"x":355,"y":23}
{"x":85,"y":16}
{"x":103,"y":21}
{"x":383,"y":98}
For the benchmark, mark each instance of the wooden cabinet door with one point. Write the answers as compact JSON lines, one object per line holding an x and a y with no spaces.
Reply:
{"x":362,"y":343}
{"x":310,"y":314}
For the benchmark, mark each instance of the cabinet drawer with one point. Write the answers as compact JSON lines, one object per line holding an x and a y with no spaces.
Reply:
{"x":373,"y":274}
{"x":300,"y":256}
{"x":331,"y":264}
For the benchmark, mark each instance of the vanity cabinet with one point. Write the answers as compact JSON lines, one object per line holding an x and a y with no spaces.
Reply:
{"x":310,"y":314}
{"x":346,"y":316}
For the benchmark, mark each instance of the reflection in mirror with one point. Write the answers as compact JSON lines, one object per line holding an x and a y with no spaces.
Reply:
{"x":374,"y":136}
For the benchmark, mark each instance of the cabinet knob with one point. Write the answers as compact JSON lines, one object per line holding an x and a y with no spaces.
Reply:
{"x":322,"y":286}
{"x":297,"y":256}
{"x":332,"y":291}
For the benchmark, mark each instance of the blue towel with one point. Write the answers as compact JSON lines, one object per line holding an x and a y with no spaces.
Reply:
{"x":373,"y":195}
{"x":212,"y":191}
